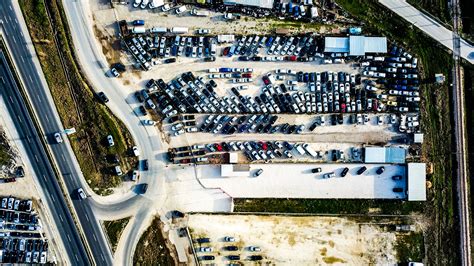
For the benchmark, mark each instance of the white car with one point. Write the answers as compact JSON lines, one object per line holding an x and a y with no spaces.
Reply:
{"x":165,"y":8}
{"x":203,"y":31}
{"x":149,"y":122}
{"x":58,"y":137}
{"x":81,"y":193}
{"x":135,"y":150}
{"x":114,"y":72}
{"x":137,"y":3}
{"x":110,"y":140}
{"x":248,"y":70}
{"x":179,"y":132}
{"x":135,"y":175}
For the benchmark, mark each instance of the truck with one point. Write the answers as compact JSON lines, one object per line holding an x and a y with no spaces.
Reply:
{"x":139,"y":29}
{"x":156,"y":3}
{"x":225,"y":38}
{"x":199,"y":13}
{"x":179,"y":30}
{"x":213,"y":49}
{"x":310,"y":150}
{"x":123,"y":27}
{"x":300,"y":149}
{"x":314,"y":12}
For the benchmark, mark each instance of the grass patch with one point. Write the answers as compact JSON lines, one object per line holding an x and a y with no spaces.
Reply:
{"x":327,"y":206}
{"x":114,"y":230}
{"x":437,"y":8}
{"x":75,"y":100}
{"x":409,"y":247}
{"x":5,"y":155}
{"x":153,"y":248}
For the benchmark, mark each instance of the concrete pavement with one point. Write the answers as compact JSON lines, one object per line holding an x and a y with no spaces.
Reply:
{"x":430,"y":26}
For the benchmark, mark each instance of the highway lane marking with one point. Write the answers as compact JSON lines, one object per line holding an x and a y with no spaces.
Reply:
{"x":93,"y":235}
{"x":75,"y":255}
{"x":69,"y":237}
{"x":102,"y":256}
{"x":22,"y":59}
{"x":61,"y":217}
{"x":52,"y":198}
{"x":28,"y":139}
{"x":87,"y":217}
{"x":47,"y":118}
{"x":19,"y":118}
{"x":44,"y":177}
{"x":37,"y":96}
{"x":36,"y":158}
{"x":30,"y":78}
{"x":14,"y":40}
{"x":3,"y":81}
{"x":11,"y":99}
{"x":21,"y":33}
{"x":62,"y":156}
{"x":10,"y":7}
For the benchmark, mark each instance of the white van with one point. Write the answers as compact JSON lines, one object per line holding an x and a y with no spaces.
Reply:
{"x":118,"y":170}
{"x":158,"y":30}
{"x":151,"y":104}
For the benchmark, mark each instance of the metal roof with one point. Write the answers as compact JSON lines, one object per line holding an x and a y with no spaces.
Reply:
{"x":336,"y":44}
{"x":230,"y":170}
{"x":416,"y":182}
{"x":385,"y":155}
{"x":257,"y":3}
{"x":355,"y":45}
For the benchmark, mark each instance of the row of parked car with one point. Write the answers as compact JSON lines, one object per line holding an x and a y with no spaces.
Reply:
{"x":20,"y":239}
{"x":230,"y":246}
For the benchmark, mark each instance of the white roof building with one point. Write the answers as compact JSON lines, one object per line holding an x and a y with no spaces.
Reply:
{"x":355,"y":45}
{"x":268,"y":4}
{"x":234,"y":170}
{"x":416,"y":173}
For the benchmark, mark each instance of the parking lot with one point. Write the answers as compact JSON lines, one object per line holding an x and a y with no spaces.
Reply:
{"x":21,"y":237}
{"x":297,"y":181}
{"x":315,"y":240}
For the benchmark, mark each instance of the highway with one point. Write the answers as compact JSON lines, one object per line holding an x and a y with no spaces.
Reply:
{"x":42,"y":168}
{"x":430,"y":26}
{"x":460,"y":138}
{"x":16,"y":35}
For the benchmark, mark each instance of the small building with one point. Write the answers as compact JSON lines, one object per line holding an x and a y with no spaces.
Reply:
{"x":282,"y":31}
{"x":267,"y":4}
{"x":355,"y":45}
{"x":384,"y":155}
{"x":418,"y":138}
{"x":416,"y":187}
{"x":235,"y":170}
{"x":225,"y":38}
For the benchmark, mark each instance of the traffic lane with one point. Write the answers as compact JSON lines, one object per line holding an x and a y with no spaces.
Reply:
{"x":51,"y":125}
{"x":25,"y":130}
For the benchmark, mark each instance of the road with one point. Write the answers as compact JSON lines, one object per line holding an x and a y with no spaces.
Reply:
{"x":460,"y":138}
{"x":42,"y":166}
{"x":122,"y":104}
{"x":430,"y":26}
{"x":16,"y":35}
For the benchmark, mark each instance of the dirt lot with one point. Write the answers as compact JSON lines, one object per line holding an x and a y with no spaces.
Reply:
{"x":315,"y":240}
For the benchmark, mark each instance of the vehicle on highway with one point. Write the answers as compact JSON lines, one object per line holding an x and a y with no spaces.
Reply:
{"x":58,"y":138}
{"x":81,"y":193}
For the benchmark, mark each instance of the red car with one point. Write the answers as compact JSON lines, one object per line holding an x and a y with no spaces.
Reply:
{"x":226,"y":51}
{"x":247,"y":75}
{"x":264,"y":145}
{"x":375,"y":104}
{"x":291,"y":58}
{"x":343,"y":107}
{"x":266,"y":80}
{"x":218,"y":147}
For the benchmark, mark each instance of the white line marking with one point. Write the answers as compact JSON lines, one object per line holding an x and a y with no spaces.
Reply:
{"x":87,"y":217}
{"x":22,"y":59}
{"x":47,"y":118}
{"x":75,"y":255}
{"x":11,"y":99}
{"x":36,"y":158}
{"x":52,"y":198}
{"x":62,"y":156}
{"x":102,"y":256}
{"x":61,"y":217}
{"x":37,"y":96}
{"x":19,"y":118}
{"x":69,"y":237}
{"x":30,"y":78}
{"x":14,"y":40}
{"x":93,"y":235}
{"x":44,"y":177}
{"x":10,"y":7}
{"x":21,"y":33}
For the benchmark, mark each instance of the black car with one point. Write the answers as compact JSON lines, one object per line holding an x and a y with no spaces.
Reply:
{"x":145,"y":165}
{"x":233,"y":257}
{"x":142,"y":110}
{"x":213,"y":83}
{"x":255,"y":257}
{"x":244,"y":58}
{"x":397,"y":189}
{"x":380,"y":170}
{"x":173,"y":119}
{"x":169,"y":60}
{"x":273,"y":119}
{"x":316,"y":170}
{"x":361,"y":170}
{"x":150,"y":83}
{"x":231,"y":248}
{"x":210,"y":59}
{"x":103,"y":97}
{"x":313,"y":126}
{"x":208,"y":257}
{"x":139,"y":96}
{"x":344,"y":172}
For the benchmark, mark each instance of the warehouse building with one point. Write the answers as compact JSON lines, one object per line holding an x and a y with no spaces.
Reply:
{"x":267,"y":4}
{"x":384,"y":155}
{"x":355,"y":45}
{"x":416,"y":187}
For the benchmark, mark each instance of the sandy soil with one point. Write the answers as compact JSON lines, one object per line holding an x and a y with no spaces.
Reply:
{"x":298,"y":240}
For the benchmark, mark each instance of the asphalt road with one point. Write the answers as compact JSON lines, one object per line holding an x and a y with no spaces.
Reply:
{"x":27,"y":133}
{"x":41,"y":100}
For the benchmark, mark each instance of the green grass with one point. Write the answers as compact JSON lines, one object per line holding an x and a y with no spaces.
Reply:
{"x":327,"y":206}
{"x":114,"y":230}
{"x":76,"y":104}
{"x":437,"y":8}
{"x":5,"y":155}
{"x":153,"y":248}
{"x":409,"y":247}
